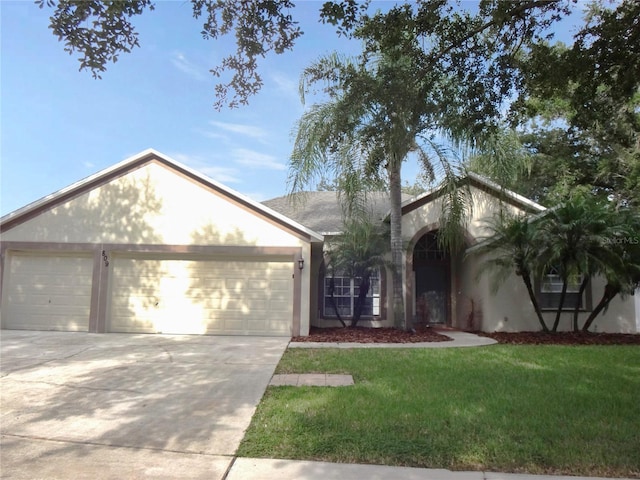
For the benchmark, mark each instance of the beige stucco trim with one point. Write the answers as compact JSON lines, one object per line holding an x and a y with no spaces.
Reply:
{"x":94,"y":315}
{"x":409,"y":284}
{"x":454,"y":277}
{"x":297,"y":294}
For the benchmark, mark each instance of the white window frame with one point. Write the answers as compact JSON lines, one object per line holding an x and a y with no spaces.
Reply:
{"x":551,"y":288}
{"x":552,"y":283}
{"x":350,"y":291}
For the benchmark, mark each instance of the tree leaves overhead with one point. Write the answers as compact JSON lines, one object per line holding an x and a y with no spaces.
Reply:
{"x":100,"y":30}
{"x":454,"y":39}
{"x":259,"y":27}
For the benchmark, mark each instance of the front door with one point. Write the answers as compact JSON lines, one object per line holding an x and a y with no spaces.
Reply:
{"x":432,"y":293}
{"x":431,"y":267}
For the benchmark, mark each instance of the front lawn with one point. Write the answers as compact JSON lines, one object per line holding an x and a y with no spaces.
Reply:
{"x":537,"y":409}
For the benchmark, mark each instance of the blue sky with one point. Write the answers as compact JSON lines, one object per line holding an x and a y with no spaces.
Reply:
{"x":59,"y":125}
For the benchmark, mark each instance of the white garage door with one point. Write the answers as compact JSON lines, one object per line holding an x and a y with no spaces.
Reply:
{"x":46,"y":292}
{"x":251,"y":296}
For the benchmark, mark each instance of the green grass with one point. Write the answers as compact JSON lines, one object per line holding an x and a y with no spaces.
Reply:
{"x":536,"y":409}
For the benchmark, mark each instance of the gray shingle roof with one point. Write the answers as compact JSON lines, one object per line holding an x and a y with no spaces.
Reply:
{"x":321,"y":211}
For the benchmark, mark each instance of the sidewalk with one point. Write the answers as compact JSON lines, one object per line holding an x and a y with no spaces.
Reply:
{"x":270,"y":469}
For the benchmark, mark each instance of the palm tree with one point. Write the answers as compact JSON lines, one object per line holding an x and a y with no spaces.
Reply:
{"x":580,"y":240}
{"x":403,"y":96}
{"x":574,"y":236}
{"x":623,"y":276}
{"x":513,"y":246}
{"x":357,"y":253}
{"x":376,"y":116}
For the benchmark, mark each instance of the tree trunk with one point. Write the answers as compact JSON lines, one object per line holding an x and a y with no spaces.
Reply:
{"x":609,"y":294}
{"x":534,"y":301}
{"x":395,"y":192}
{"x":576,"y":309}
{"x":560,"y":305}
{"x":332,"y":287}
{"x":365,"y":284}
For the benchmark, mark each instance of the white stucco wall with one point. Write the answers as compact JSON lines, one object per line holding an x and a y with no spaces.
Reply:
{"x":152,"y":205}
{"x":510,"y":310}
{"x":484,"y":207}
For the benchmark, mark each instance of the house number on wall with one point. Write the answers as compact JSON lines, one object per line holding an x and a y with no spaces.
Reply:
{"x":105,"y":258}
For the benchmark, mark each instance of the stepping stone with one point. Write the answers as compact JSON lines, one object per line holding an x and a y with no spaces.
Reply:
{"x":311,"y":380}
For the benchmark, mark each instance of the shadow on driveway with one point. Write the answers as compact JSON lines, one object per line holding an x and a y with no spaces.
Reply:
{"x":73,"y":403}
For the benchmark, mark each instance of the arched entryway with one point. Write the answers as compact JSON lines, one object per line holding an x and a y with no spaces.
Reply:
{"x":432,"y":281}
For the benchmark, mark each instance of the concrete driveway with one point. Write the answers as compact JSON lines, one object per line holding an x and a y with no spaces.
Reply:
{"x":117,"y":406}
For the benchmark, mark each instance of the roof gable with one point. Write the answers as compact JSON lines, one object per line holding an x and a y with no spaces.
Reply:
{"x":481,"y":183}
{"x":139,"y":161}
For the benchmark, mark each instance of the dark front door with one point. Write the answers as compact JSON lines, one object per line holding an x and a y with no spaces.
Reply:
{"x":432,"y":293}
{"x":431,"y":267}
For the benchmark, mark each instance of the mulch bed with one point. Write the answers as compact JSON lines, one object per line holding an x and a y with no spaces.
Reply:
{"x":371,"y":335}
{"x":564,"y":338}
{"x":428,"y":334}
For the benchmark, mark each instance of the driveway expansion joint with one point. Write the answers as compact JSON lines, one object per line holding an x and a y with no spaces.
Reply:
{"x":114,"y":445}
{"x":77,"y":387}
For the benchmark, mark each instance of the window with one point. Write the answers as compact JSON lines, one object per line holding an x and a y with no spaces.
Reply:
{"x":550,"y":291}
{"x":428,"y":249}
{"x":345,"y":294}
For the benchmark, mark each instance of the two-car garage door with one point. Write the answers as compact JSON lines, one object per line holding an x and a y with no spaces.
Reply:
{"x":242,"y":295}
{"x":250,"y":295}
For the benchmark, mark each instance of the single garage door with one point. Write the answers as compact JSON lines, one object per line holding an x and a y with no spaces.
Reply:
{"x":230,"y":296}
{"x":47,"y":292}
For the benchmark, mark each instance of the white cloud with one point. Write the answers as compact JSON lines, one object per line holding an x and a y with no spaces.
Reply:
{"x":180,"y":61}
{"x":251,"y":131}
{"x":213,"y":135}
{"x":286,"y":84}
{"x":251,"y":158}
{"x":220,"y":174}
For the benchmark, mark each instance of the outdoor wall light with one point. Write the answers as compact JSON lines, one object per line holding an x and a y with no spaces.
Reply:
{"x":301,"y":263}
